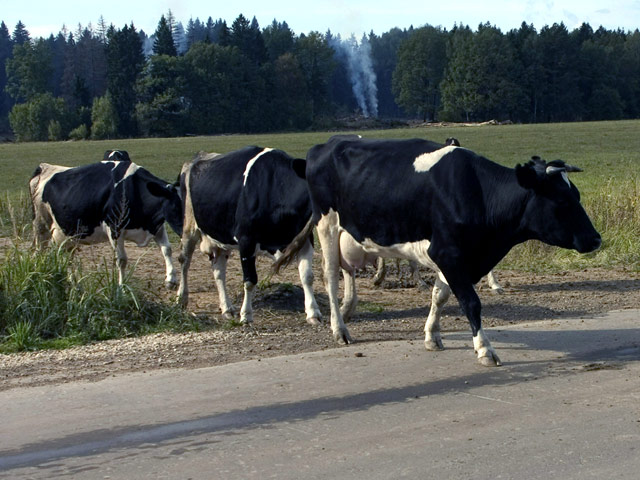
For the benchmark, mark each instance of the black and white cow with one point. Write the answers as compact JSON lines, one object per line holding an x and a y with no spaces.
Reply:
{"x":381,"y":268}
{"x":250,"y":200}
{"x":449,"y":209}
{"x":113,"y":200}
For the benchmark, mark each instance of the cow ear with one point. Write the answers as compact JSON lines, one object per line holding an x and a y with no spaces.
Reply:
{"x":300,"y":167}
{"x":527,"y":176}
{"x":158,"y":190}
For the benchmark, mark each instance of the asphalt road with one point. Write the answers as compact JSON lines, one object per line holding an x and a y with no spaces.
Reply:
{"x":565,"y":405}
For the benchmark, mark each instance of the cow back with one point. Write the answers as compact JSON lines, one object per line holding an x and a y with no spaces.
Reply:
{"x":378,"y":176}
{"x":214,"y":189}
{"x":274,"y":204}
{"x":252,"y":191}
{"x":77,"y":197}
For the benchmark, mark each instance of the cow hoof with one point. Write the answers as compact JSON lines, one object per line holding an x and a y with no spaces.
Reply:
{"x":228,"y":315}
{"x":342,"y":337}
{"x":315,"y":321}
{"x":182,"y":301}
{"x":171,"y":285}
{"x":497,"y":291}
{"x":434,"y":344}
{"x":490,"y":360}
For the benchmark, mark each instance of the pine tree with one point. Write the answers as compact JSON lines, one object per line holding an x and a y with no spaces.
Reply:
{"x":163,"y":44}
{"x":125,"y":61}
{"x":20,"y":34}
{"x":102,"y":29}
{"x":6,"y":47}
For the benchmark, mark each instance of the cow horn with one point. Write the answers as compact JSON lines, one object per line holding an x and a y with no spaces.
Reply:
{"x":571,"y":168}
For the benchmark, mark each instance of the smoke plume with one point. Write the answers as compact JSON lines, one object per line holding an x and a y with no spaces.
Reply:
{"x":360,"y":70}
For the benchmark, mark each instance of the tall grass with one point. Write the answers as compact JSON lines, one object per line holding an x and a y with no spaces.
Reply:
{"x":47,"y":299}
{"x":15,"y":215}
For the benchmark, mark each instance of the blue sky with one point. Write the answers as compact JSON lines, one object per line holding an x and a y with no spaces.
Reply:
{"x":42,"y":17}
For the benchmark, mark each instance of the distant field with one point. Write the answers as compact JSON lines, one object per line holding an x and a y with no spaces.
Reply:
{"x":608,"y":152}
{"x":602,"y":149}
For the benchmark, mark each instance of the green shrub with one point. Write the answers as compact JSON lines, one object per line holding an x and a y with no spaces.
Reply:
{"x":32,"y":121}
{"x":54,"y":131}
{"x":79,"y":133}
{"x":104,"y":119}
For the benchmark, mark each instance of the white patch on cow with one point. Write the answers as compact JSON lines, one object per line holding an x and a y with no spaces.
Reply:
{"x":426,"y":161}
{"x":565,"y":177}
{"x":38,"y":182}
{"x":251,"y":162}
{"x":416,"y":251}
{"x":208,"y":245}
{"x":130,"y":171}
{"x":139,"y":236}
{"x":353,"y":255}
{"x":99,"y":235}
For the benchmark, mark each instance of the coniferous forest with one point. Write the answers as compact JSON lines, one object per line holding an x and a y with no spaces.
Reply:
{"x":210,"y":77}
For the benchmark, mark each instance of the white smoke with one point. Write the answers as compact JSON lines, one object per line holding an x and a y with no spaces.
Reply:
{"x":360,"y":70}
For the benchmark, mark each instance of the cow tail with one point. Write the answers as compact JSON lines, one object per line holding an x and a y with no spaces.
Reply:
{"x":295,"y":246}
{"x":33,"y":189}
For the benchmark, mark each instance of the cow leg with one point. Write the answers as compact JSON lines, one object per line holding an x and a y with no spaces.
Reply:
{"x":415,"y":274}
{"x":189,"y":241}
{"x":329,"y":236}
{"x":493,"y":283}
{"x":470,"y":303}
{"x":162,"y":240}
{"x":305,"y":262}
{"x":381,"y":271}
{"x":121,"y":258}
{"x":219,"y":260}
{"x":350,"y":300}
{"x":439,"y":296}
{"x":250,"y":277}
{"x":41,"y":228}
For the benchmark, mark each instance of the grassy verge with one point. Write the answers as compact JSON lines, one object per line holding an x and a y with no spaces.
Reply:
{"x":47,"y":300}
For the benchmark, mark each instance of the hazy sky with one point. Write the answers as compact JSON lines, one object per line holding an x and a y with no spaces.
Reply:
{"x":42,"y":17}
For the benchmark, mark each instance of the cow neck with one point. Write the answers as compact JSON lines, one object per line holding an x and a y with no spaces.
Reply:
{"x":507,"y":202}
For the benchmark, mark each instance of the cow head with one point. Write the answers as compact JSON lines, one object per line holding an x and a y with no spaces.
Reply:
{"x":554,"y":214}
{"x":171,"y":206}
{"x":116,"y":156}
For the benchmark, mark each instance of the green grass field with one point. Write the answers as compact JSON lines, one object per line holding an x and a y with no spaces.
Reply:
{"x":608,"y":152}
{"x":603,"y":149}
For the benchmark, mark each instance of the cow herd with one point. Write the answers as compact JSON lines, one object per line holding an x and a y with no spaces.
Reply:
{"x":437,"y":205}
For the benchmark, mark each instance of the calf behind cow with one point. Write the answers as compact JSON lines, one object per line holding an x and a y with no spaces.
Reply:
{"x":449,"y":209}
{"x":114,"y":200}
{"x":250,"y":200}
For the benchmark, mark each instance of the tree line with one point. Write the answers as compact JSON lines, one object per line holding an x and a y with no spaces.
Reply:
{"x":208,"y":78}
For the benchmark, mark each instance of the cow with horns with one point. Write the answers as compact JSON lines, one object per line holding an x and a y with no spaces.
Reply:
{"x":113,"y":200}
{"x":447,"y":208}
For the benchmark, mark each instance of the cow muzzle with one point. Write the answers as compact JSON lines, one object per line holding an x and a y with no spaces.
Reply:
{"x":590,"y":244}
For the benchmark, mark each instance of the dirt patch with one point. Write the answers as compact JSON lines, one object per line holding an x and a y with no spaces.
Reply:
{"x":396,"y":311}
